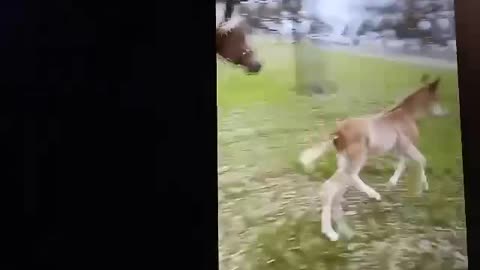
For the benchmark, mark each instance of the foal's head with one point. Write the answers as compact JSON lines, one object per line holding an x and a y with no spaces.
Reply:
{"x":425,"y":101}
{"x":231,"y":44}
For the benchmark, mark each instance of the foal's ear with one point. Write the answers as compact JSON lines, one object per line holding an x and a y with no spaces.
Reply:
{"x":432,"y":87}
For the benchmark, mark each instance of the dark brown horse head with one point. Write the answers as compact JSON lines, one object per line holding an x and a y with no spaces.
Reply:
{"x":232,"y":44}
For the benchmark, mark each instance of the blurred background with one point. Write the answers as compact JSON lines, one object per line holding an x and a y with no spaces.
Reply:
{"x":326,"y":60}
{"x":422,"y":27}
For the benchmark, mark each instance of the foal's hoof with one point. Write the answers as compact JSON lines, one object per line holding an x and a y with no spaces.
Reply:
{"x":332,"y":236}
{"x":392,"y":182}
{"x":389,"y":185}
{"x":425,"y":186}
{"x":375,"y":196}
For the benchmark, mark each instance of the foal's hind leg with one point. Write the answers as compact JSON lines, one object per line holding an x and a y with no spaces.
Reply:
{"x":351,"y":163}
{"x":338,"y":217}
{"x":329,"y":191}
{"x":337,"y":210}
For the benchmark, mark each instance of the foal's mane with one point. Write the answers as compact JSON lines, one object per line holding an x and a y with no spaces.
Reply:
{"x":401,"y":103}
{"x":424,"y":81}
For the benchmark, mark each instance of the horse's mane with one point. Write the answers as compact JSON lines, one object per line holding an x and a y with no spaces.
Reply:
{"x":223,"y":24}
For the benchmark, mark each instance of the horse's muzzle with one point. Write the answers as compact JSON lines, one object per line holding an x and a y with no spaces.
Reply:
{"x":254,"y":68}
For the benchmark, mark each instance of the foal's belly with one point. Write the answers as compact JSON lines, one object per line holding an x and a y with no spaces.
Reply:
{"x":382,"y":139}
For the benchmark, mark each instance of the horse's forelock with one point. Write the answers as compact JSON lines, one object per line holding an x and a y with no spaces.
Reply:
{"x":226,"y":26}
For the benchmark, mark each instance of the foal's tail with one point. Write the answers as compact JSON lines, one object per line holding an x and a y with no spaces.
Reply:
{"x":310,"y":155}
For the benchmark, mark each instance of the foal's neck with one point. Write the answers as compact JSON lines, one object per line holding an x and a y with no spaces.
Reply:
{"x":401,"y":113}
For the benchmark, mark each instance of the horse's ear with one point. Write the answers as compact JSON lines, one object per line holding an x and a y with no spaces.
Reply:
{"x":424,"y":79}
{"x":434,"y":85}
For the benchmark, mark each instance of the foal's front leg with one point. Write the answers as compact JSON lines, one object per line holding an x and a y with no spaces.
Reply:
{"x":410,"y":150}
{"x":398,"y":172}
{"x":413,"y":153}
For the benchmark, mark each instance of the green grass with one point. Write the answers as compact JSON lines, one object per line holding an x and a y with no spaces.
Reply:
{"x":364,"y":85}
{"x":263,"y":125}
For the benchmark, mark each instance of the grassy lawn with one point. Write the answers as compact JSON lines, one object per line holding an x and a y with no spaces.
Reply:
{"x":268,"y":209}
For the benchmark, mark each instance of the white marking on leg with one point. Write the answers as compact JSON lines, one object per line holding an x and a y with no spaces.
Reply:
{"x":342,"y":162}
{"x":327,"y":213}
{"x":339,"y":219}
{"x":398,"y":172}
{"x":416,"y":155}
{"x":423,"y":178}
{"x":326,"y":224}
{"x":360,"y":185}
{"x":337,"y":212}
{"x":352,"y":170}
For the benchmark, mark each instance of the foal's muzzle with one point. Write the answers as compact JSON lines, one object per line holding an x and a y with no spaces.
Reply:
{"x":254,"y":68}
{"x":438,"y":110}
